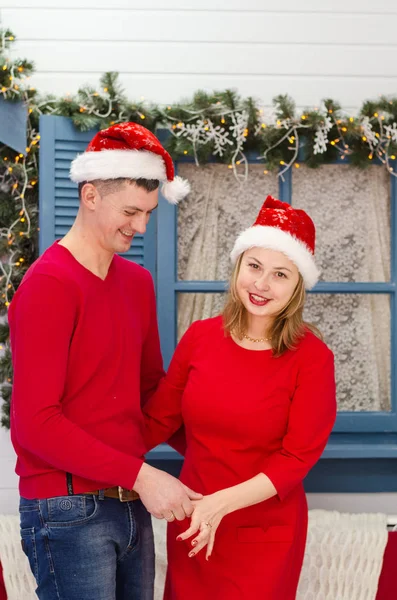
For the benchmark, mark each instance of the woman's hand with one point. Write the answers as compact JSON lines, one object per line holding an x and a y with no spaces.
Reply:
{"x":207,"y":515}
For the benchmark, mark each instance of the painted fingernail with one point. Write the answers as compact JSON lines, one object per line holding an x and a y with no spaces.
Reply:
{"x":179,"y":539}
{"x":191,"y":554}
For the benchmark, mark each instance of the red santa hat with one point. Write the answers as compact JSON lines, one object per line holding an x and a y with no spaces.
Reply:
{"x":281,"y":227}
{"x":131,"y":151}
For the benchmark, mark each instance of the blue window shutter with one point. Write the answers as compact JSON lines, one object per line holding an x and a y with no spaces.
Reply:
{"x":58,"y":196}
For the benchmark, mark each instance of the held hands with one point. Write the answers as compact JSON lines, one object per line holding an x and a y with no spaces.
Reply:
{"x":164,"y":496}
{"x":206,"y":517}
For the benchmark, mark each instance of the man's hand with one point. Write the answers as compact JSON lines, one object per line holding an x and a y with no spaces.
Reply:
{"x":164,"y":496}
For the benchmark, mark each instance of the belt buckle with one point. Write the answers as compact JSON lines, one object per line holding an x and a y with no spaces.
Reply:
{"x":123,"y":494}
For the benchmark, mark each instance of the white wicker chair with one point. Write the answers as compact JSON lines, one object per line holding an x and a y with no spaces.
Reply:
{"x":18,"y":578}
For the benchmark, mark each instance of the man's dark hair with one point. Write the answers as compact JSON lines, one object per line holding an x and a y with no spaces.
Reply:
{"x":108,"y":186}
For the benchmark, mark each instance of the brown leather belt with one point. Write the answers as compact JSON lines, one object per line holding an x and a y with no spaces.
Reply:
{"x":119,"y":493}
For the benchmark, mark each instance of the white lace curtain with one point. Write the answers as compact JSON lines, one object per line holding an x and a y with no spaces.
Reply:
{"x":351,"y":210}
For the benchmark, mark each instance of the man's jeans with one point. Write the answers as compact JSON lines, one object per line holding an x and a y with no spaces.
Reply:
{"x":87,"y":547}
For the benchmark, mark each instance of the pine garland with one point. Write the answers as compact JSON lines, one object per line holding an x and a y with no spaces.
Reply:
{"x":221,"y":126}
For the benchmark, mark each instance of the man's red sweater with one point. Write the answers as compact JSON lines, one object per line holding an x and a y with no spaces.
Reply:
{"x":86,"y":353}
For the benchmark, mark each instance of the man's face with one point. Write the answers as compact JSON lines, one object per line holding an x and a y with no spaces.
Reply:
{"x":120,"y":214}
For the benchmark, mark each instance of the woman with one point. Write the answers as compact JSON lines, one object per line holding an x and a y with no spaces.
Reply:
{"x":255,"y":390}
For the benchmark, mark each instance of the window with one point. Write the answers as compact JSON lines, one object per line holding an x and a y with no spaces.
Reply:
{"x":354,"y":304}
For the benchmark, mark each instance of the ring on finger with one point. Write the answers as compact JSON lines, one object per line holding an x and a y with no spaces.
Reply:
{"x":208,"y":524}
{"x":170,"y":518}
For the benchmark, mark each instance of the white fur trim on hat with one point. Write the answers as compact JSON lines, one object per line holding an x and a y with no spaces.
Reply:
{"x":112,"y":164}
{"x":274,"y":238}
{"x":175,"y":190}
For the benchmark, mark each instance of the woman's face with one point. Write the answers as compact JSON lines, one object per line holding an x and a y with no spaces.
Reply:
{"x":266,"y":281}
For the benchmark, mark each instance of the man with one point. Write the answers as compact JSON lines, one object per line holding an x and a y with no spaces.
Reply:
{"x":86,"y":353}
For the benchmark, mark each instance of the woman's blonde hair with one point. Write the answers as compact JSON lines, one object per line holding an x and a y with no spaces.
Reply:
{"x":288,"y":325}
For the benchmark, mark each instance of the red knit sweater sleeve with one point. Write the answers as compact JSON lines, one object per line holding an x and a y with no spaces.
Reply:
{"x":311,"y":418}
{"x":151,"y":363}
{"x":42,"y":318}
{"x":162,"y":412}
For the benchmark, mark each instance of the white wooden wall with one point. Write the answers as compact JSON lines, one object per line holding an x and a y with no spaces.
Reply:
{"x":167,"y":49}
{"x":8,"y":479}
